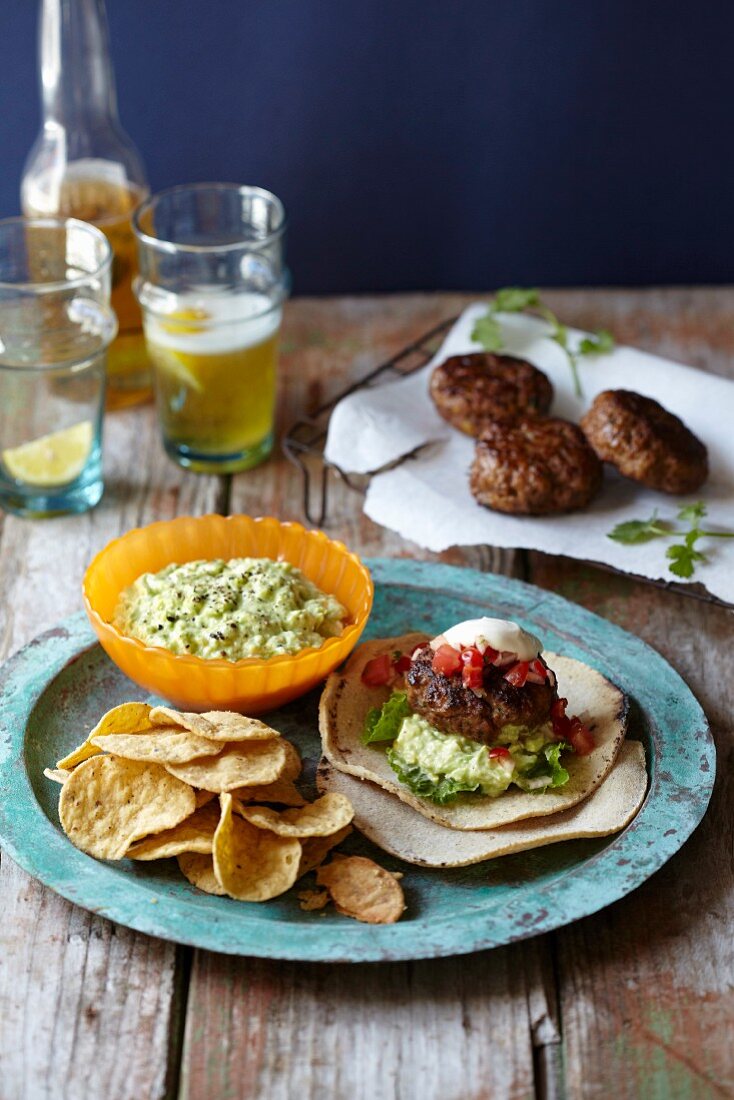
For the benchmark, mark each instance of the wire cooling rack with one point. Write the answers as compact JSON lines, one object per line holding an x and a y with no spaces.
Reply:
{"x":305,"y":441}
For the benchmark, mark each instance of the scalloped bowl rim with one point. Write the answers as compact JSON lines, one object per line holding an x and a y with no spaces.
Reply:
{"x":353,"y":629}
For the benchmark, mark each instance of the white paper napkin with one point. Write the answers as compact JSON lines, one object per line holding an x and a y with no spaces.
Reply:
{"x":426,"y":498}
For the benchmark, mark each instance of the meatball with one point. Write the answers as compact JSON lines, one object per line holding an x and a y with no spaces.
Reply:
{"x":468,"y":390}
{"x":645,"y":442}
{"x":453,"y":708}
{"x":534,"y":467}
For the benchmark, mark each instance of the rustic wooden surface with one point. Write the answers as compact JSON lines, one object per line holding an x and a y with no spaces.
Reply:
{"x":634,"y":1002}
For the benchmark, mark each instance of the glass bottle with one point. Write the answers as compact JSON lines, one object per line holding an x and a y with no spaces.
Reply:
{"x":84,"y":165}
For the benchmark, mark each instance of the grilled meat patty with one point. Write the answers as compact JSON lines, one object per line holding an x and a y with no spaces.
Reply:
{"x":468,"y":390}
{"x":645,"y":442}
{"x":452,"y":708}
{"x":537,"y":466}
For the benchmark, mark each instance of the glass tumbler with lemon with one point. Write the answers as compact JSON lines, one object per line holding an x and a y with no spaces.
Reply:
{"x":212,"y":286}
{"x":56,"y":325}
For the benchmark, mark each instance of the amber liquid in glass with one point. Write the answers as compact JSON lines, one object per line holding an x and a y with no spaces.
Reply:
{"x":109,"y":205}
{"x":215,"y":371}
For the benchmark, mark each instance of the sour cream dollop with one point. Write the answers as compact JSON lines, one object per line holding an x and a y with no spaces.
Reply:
{"x":500,"y":634}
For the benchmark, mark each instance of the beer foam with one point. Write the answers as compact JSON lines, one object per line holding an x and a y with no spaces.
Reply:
{"x":233,"y":321}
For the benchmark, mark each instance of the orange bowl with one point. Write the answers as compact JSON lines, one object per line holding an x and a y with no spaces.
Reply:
{"x":254,"y":684}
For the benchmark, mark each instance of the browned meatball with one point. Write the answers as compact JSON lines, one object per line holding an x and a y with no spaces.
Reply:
{"x":534,"y":467}
{"x":453,"y":708}
{"x":645,"y":442}
{"x":468,"y":390}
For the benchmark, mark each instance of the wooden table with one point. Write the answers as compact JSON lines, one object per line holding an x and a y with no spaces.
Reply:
{"x":634,"y":1002}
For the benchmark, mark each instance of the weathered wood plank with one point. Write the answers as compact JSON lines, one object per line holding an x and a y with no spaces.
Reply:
{"x":458,"y":1029}
{"x":86,"y":1007}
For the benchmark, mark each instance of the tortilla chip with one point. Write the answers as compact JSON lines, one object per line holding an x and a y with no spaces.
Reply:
{"x":217,"y":725}
{"x":292,"y":767}
{"x":203,"y":798}
{"x":126,"y":718}
{"x":346,"y":701}
{"x":321,"y":818}
{"x":230,"y":726}
{"x":194,"y":834}
{"x":239,"y":765}
{"x":252,"y":864}
{"x":108,"y":803}
{"x":162,"y":745}
{"x":360,"y":888}
{"x":399,"y":830}
{"x":314,"y":850}
{"x":56,"y":775}
{"x":309,"y":900}
{"x":283,"y":792}
{"x":199,"y":870}
{"x":194,"y":723}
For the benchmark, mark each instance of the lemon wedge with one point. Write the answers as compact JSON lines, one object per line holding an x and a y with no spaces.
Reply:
{"x":51,"y":460}
{"x":179,"y":365}
{"x":185,"y":320}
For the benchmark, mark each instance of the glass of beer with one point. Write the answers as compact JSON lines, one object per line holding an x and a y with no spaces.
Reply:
{"x":212,"y":285}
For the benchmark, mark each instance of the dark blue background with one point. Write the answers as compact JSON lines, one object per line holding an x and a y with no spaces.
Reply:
{"x":433,"y":144}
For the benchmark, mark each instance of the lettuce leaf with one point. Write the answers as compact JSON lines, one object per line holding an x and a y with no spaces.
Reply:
{"x":547,"y":767}
{"x":415,"y":779}
{"x":552,"y":753}
{"x":383,"y":723}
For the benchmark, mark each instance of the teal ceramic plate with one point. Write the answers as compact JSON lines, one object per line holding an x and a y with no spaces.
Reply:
{"x":55,"y":689}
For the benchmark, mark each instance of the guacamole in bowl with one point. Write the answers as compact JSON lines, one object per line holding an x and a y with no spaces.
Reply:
{"x":230,"y":609}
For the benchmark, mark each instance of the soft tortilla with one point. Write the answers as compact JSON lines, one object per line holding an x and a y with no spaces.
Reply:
{"x":346,"y":701}
{"x":399,"y":830}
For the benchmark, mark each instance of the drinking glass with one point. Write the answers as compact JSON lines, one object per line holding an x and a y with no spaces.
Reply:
{"x":212,"y":285}
{"x":55,"y":327}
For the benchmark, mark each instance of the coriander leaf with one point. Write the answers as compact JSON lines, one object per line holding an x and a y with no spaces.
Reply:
{"x":515,"y":299}
{"x":487,"y":332}
{"x":639,"y":530}
{"x":415,"y":779}
{"x":692,"y":513}
{"x":681,"y":555}
{"x":383,"y":723}
{"x":682,"y":558}
{"x":598,"y":343}
{"x":560,"y":334}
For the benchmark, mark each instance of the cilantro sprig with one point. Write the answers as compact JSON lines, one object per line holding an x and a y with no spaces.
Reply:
{"x":514,"y":299}
{"x":682,"y":555}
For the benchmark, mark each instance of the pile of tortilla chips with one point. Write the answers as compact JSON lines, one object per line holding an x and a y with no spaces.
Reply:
{"x":144,"y":785}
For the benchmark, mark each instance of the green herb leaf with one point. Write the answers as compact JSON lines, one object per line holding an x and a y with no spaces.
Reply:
{"x":416,"y":780}
{"x":515,"y":299}
{"x":547,"y":767}
{"x":383,"y":723}
{"x":681,"y":555}
{"x":487,"y":332}
{"x":692,"y":513}
{"x":560,"y":335}
{"x":639,"y":530}
{"x":552,"y":753}
{"x":599,"y":343}
{"x":683,"y":558}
